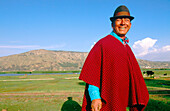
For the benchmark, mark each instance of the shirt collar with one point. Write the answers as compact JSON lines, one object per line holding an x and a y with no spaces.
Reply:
{"x":126,"y":40}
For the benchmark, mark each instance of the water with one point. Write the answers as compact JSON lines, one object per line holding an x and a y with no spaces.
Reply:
{"x":34,"y":74}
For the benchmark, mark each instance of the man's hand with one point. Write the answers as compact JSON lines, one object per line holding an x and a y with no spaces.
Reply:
{"x":96,"y":105}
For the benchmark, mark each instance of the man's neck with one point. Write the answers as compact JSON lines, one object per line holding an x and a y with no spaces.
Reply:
{"x":122,"y":37}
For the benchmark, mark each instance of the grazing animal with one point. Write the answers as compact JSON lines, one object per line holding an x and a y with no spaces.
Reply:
{"x":149,"y":73}
{"x":165,"y":74}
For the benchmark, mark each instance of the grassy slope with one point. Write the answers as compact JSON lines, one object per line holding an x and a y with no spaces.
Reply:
{"x":63,"y":86}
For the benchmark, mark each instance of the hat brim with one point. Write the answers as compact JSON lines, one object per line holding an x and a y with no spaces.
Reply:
{"x":124,"y":16}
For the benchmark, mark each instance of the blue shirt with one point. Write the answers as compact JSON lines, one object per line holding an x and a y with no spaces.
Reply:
{"x":94,"y":92}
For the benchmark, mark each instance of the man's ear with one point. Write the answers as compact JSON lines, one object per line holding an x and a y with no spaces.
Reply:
{"x":112,"y":24}
{"x":130,"y":25}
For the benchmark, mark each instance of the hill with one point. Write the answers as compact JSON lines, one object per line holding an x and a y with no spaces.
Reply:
{"x":43,"y":60}
{"x":46,"y":60}
{"x":154,"y":64}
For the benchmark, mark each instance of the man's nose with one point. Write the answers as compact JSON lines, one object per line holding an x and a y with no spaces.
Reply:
{"x":122,"y":21}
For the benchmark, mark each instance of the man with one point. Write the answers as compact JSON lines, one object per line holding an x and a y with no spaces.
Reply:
{"x":113,"y":78}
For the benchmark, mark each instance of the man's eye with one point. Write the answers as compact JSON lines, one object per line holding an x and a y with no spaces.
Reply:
{"x":127,"y":19}
{"x":118,"y":19}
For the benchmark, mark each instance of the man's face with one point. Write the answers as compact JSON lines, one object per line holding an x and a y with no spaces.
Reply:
{"x":121,"y":26}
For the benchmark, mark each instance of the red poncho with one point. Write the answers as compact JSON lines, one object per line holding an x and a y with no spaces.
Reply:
{"x":113,"y":68}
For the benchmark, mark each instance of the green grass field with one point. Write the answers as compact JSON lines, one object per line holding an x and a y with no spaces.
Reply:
{"x":65,"y":93}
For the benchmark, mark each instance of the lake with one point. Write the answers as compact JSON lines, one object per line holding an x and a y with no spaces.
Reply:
{"x":34,"y":74}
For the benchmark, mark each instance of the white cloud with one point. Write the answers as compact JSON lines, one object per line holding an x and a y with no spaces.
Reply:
{"x":146,"y":49}
{"x":159,"y":55}
{"x":31,"y":46}
{"x":145,"y":46}
{"x":6,"y":50}
{"x":93,"y":45}
{"x":166,"y":48}
{"x":15,"y":41}
{"x":54,"y":46}
{"x":19,"y":46}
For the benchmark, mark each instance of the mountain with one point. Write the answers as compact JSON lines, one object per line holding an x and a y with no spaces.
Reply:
{"x":154,"y":64}
{"x":43,"y":60}
{"x":46,"y":60}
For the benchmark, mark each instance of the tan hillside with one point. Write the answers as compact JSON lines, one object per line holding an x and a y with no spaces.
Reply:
{"x":43,"y":60}
{"x":153,"y":64}
{"x":46,"y":60}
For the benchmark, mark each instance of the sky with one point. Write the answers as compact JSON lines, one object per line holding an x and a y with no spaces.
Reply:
{"x":75,"y":25}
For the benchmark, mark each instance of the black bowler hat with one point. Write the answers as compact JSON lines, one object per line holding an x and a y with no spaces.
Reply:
{"x":120,"y":12}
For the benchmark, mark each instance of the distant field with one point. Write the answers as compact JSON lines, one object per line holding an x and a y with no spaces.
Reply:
{"x":158,"y":72}
{"x":34,"y":72}
{"x":58,"y":92}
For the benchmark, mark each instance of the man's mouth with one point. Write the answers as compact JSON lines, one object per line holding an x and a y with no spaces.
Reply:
{"x":122,"y":28}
